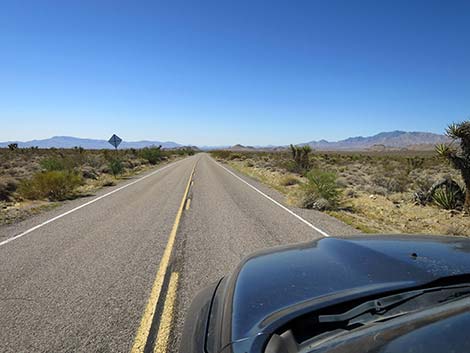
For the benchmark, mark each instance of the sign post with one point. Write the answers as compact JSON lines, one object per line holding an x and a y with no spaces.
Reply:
{"x":115,"y":141}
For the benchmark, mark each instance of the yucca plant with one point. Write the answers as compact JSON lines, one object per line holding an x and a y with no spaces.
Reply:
{"x":460,"y":158}
{"x":321,"y":188}
{"x":446,"y":198}
{"x":301,"y":156}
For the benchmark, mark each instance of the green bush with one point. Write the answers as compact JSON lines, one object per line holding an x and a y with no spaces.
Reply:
{"x":186,"y":151}
{"x":321,"y":190}
{"x":221,"y":154}
{"x":70,"y":162}
{"x":53,"y":163}
{"x":152,"y":154}
{"x":53,"y":185}
{"x":116,"y":167}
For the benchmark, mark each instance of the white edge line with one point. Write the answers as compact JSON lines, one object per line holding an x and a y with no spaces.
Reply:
{"x":86,"y":204}
{"x":277,"y":203}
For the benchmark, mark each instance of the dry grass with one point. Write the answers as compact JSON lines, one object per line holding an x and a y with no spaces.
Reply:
{"x":15,"y":212}
{"x":380,"y":214}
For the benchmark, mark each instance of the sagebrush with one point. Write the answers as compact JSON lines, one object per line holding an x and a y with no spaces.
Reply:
{"x":53,"y":185}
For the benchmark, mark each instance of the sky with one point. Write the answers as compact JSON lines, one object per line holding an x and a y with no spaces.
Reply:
{"x":225,"y":72}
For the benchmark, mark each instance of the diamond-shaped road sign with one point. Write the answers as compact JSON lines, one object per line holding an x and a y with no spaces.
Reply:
{"x":115,"y":141}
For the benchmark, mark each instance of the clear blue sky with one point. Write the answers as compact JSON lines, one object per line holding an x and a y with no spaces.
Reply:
{"x":226,"y":72}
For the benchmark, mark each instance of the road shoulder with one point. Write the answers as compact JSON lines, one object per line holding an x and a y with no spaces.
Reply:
{"x":327,"y":223}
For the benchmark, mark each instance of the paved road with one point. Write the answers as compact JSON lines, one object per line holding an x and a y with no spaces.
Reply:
{"x":83,"y":282}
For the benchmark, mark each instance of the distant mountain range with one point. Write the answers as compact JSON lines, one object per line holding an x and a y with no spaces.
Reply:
{"x":70,"y":142}
{"x":393,"y":139}
{"x":387,"y":140}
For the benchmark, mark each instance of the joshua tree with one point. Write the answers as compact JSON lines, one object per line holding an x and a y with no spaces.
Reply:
{"x":301,"y":156}
{"x":460,"y":158}
{"x":13,"y":146}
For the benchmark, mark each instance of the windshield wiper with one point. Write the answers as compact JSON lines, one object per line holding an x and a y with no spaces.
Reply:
{"x":381,"y":305}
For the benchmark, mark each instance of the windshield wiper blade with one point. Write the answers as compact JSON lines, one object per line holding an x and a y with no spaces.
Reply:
{"x":376,"y":305}
{"x":382,"y":304}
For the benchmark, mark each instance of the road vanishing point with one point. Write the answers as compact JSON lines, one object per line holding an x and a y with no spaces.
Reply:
{"x":116,"y":272}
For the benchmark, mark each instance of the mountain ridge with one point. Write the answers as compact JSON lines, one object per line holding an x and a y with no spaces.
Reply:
{"x":395,"y":139}
{"x":71,"y":141}
{"x":390,"y":139}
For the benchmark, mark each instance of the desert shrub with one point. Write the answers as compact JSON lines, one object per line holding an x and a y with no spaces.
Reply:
{"x":342,"y":182}
{"x":152,"y":154}
{"x":116,"y":167}
{"x":398,"y":183}
{"x":53,"y":163}
{"x":321,"y":190}
{"x":62,"y":162}
{"x":95,"y":160}
{"x":79,"y":157}
{"x":53,"y":185}
{"x":234,"y":156}
{"x":89,"y":173}
{"x":414,"y":163}
{"x":221,"y":154}
{"x":107,"y":181}
{"x":351,"y":193}
{"x":7,"y":188}
{"x":186,"y":151}
{"x":423,"y":184}
{"x":108,"y":155}
{"x":289,"y":166}
{"x":289,"y":180}
{"x":376,"y":190}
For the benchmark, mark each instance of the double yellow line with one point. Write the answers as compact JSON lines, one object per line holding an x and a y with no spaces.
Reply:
{"x":163,"y":333}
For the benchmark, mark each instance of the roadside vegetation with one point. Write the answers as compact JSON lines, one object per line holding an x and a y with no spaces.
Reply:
{"x":376,"y":192}
{"x":33,"y":179}
{"x":459,"y":157}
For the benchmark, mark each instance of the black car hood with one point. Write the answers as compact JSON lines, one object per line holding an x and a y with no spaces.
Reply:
{"x":271,"y":285}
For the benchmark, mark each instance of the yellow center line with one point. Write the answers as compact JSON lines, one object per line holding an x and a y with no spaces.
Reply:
{"x":147,"y":318}
{"x":161,"y":343}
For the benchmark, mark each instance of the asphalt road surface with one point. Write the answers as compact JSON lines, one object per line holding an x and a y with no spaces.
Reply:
{"x":116,"y":272}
